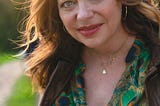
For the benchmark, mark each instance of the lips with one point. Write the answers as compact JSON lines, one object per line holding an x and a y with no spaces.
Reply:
{"x":89,"y":30}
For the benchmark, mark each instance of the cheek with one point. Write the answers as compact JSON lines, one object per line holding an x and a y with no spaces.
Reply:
{"x":110,"y":10}
{"x":64,"y":19}
{"x":70,"y":24}
{"x":68,"y":21}
{"x":112,"y":14}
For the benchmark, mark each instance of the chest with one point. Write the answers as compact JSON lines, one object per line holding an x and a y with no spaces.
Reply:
{"x":100,"y":87}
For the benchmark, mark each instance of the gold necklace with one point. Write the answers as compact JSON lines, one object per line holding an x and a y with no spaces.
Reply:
{"x":112,"y":58}
{"x":104,"y":70}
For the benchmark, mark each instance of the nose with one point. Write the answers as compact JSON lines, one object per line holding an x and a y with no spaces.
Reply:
{"x":84,"y":11}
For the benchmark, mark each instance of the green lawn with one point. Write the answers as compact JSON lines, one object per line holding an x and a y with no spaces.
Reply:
{"x":6,"y":57}
{"x":22,"y":93}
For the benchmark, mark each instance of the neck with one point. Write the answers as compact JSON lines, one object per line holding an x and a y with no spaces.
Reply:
{"x":112,"y":47}
{"x":119,"y":52}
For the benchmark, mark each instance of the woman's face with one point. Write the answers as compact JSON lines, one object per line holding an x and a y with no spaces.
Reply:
{"x":91,"y":22}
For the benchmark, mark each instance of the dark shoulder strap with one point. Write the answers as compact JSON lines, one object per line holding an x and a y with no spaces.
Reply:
{"x":57,"y":82}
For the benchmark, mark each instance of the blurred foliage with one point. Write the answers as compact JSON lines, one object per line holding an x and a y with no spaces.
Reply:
{"x":22,"y":94}
{"x":9,"y":19}
{"x":6,"y":57}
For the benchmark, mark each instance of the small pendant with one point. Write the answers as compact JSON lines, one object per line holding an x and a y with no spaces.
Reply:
{"x":104,"y":71}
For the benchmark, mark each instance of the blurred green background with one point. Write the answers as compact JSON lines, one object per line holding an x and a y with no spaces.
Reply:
{"x":10,"y":17}
{"x":9,"y":20}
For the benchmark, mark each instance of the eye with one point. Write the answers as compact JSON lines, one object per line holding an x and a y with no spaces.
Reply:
{"x":68,"y":4}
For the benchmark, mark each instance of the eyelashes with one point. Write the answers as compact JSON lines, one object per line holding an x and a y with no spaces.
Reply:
{"x":67,"y":4}
{"x":71,"y":4}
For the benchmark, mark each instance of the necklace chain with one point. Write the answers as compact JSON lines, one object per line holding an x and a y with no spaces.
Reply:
{"x":112,"y":58}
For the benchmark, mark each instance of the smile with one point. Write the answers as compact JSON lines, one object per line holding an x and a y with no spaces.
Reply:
{"x":89,"y":30}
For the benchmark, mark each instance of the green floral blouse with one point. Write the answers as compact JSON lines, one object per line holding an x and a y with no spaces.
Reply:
{"x":129,"y":90}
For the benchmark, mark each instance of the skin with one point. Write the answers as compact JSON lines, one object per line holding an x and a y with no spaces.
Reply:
{"x":102,"y":17}
{"x":97,"y":24}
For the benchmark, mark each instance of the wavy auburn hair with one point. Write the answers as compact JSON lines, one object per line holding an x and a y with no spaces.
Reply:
{"x":43,"y":23}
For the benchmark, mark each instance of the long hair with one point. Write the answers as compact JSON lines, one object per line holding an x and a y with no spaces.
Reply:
{"x":44,"y":24}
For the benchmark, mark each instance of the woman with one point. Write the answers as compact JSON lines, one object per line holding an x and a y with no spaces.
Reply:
{"x":95,"y":52}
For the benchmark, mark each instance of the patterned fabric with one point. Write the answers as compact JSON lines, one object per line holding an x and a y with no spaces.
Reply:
{"x":129,"y":90}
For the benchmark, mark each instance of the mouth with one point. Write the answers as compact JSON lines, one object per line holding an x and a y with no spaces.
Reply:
{"x":89,"y":30}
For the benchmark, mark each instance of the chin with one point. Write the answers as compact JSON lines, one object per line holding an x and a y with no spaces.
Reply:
{"x":92,"y":46}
